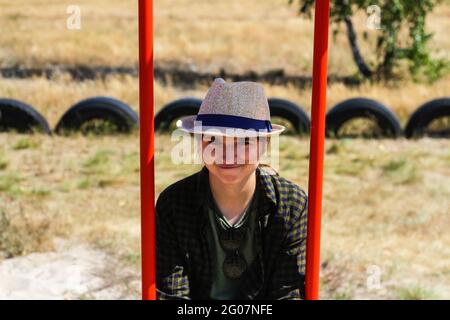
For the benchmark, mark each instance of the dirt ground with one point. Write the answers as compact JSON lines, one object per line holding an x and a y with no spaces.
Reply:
{"x":71,"y":271}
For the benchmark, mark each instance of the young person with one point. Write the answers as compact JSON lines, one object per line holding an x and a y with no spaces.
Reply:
{"x":233,"y":230}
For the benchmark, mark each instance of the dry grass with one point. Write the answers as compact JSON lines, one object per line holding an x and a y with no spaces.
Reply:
{"x":199,"y":34}
{"x":37,"y":33}
{"x":386,"y":203}
{"x":22,"y":234}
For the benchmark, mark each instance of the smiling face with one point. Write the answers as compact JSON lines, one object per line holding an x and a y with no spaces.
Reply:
{"x":232,"y":159}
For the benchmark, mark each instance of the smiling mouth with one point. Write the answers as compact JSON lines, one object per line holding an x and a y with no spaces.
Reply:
{"x":228,"y":166}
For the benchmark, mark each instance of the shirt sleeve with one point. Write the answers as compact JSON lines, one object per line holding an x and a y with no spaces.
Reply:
{"x":288,"y":279}
{"x":172,"y":281}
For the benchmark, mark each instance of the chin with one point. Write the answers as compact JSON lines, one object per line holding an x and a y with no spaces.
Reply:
{"x":231,"y":175}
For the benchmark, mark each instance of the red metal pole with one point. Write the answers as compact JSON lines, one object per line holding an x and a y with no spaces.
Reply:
{"x":146,"y":116}
{"x":317,"y":141}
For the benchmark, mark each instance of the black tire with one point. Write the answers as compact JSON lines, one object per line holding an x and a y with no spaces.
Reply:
{"x":425,"y":114}
{"x":350,"y":109}
{"x":175,"y":110}
{"x":292,"y":112}
{"x":107,"y":109}
{"x":16,"y":115}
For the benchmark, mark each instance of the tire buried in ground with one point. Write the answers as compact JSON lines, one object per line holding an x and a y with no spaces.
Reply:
{"x":293,"y":113}
{"x":21,"y":117}
{"x":419,"y":123}
{"x":174,"y":110}
{"x":386,"y":122}
{"x":98,"y":115}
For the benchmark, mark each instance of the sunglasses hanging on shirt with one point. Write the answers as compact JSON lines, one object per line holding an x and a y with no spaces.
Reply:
{"x":231,"y":241}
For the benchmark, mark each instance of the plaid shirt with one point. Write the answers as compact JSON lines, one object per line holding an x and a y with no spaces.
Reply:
{"x":184,"y":267}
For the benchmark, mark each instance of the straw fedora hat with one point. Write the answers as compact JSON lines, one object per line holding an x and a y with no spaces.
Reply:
{"x":232,"y":109}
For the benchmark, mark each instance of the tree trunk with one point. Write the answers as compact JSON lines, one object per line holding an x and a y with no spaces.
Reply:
{"x":359,"y":60}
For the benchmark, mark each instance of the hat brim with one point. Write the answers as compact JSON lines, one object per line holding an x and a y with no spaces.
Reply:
{"x":187,"y":124}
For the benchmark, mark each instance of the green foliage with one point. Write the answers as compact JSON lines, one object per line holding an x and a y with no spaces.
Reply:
{"x":9,"y":184}
{"x":401,"y":171}
{"x":3,"y":163}
{"x":98,"y":163}
{"x":25,"y":143}
{"x":391,"y":48}
{"x":416,"y":293}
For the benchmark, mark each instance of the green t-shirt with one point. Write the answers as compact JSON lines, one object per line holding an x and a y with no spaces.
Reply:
{"x":224,"y":288}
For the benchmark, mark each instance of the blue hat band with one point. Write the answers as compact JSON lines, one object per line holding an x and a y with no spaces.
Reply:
{"x":225,"y":120}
